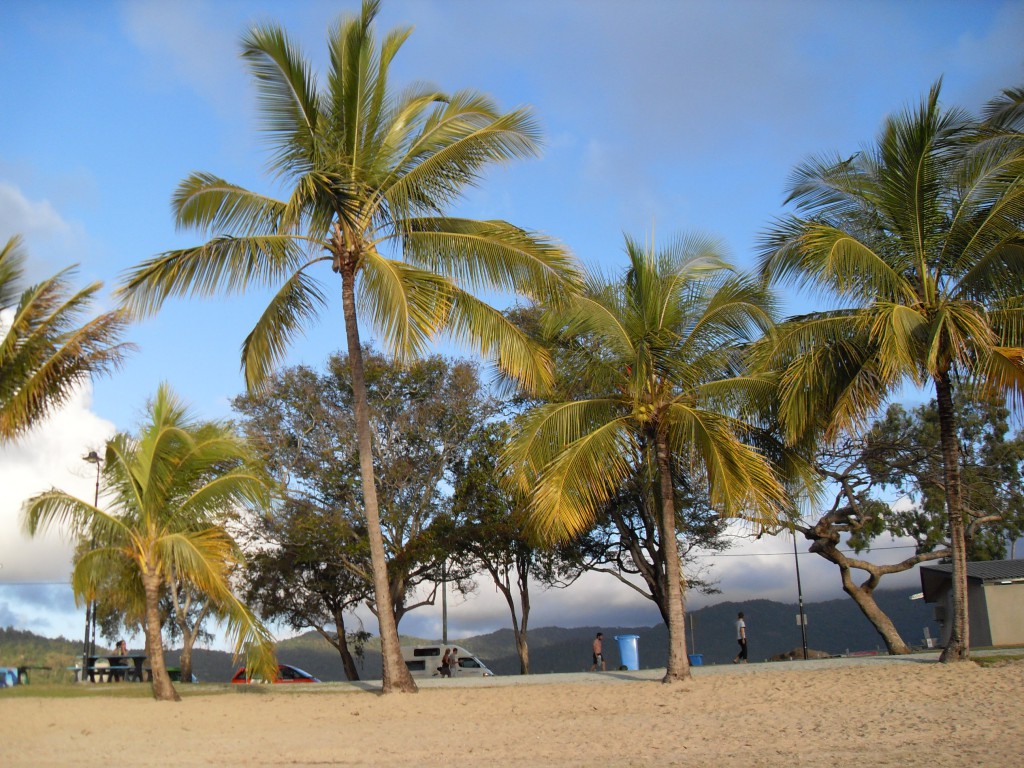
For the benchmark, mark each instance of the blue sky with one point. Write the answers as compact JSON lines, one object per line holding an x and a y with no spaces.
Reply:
{"x":658,"y":116}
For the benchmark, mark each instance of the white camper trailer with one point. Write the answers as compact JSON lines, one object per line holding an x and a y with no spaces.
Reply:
{"x":424,"y":660}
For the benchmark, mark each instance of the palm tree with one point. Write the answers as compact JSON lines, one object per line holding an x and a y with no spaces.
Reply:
{"x":44,"y":353}
{"x":168,"y":491}
{"x":371,"y":174}
{"x":919,"y":240}
{"x":657,"y":354}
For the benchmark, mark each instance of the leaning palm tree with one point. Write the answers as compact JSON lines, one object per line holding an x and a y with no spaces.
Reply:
{"x":371,"y":173}
{"x":167,"y":492}
{"x":44,"y":352}
{"x":918,"y":240}
{"x":657,"y":354}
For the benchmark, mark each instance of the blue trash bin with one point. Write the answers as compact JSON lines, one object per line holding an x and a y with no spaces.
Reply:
{"x":628,"y":650}
{"x":696,"y":659}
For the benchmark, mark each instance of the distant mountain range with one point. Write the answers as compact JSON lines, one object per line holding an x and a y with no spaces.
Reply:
{"x":834,"y":627}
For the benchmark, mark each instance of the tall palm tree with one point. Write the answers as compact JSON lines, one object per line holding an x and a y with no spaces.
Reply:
{"x":657,"y":353}
{"x":371,"y":173}
{"x":166,"y":491}
{"x":44,"y":352}
{"x":918,"y":240}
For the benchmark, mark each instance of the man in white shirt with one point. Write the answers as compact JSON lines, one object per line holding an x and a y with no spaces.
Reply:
{"x":741,"y":638}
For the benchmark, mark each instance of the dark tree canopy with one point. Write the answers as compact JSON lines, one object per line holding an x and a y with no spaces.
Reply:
{"x":421,"y":416}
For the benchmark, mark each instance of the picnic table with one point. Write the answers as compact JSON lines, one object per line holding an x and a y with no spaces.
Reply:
{"x":110,"y":668}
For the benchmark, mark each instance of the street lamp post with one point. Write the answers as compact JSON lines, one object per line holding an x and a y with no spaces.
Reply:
{"x":444,"y":602}
{"x":89,"y":648}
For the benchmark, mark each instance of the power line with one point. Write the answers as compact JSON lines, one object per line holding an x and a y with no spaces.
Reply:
{"x":790,"y":554}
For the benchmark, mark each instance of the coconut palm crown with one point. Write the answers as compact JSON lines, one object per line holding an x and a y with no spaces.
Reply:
{"x":372,"y":173}
{"x":917,"y":242}
{"x":656,"y":355}
{"x":45,"y":353}
{"x":166,"y":495}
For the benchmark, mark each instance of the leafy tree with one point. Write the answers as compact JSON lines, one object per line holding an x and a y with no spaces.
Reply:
{"x":303,"y":427}
{"x":659,"y":352}
{"x":902,"y":452}
{"x":165,"y":493}
{"x":309,"y":558}
{"x":301,"y":574}
{"x":188,"y":611}
{"x":919,"y":241}
{"x":488,"y":530}
{"x":857,"y":517}
{"x":372,"y":174}
{"x":44,"y":352}
{"x":625,"y":543}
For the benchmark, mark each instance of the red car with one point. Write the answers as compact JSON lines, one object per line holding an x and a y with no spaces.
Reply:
{"x":285,"y":674}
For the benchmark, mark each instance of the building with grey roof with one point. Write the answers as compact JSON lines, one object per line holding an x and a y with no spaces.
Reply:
{"x":995,"y":600}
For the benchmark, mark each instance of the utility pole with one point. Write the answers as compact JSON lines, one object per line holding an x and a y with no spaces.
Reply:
{"x":800,"y":597}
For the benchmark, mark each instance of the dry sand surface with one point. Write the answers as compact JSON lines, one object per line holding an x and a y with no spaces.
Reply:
{"x":882,"y":714}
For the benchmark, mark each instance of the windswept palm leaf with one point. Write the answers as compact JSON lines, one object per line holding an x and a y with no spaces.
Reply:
{"x":44,"y":351}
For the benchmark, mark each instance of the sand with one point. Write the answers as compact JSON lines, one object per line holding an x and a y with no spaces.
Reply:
{"x":882,"y":714}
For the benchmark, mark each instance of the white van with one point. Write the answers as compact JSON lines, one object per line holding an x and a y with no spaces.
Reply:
{"x":423,"y":661}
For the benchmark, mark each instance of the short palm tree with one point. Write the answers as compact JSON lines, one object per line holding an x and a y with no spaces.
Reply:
{"x":371,"y":172}
{"x":44,"y":352}
{"x":167,"y":493}
{"x":658,"y":355}
{"x":918,"y":241}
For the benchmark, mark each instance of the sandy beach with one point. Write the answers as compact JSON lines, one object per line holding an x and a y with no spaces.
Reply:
{"x":885,"y":713}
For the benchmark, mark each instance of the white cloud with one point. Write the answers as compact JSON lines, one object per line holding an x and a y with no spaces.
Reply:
{"x":19,"y":214}
{"x":51,"y":240}
{"x":50,"y":456}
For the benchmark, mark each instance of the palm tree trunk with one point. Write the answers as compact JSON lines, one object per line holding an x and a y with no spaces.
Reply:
{"x":395,"y":675}
{"x":958,"y":647}
{"x":678,"y":666}
{"x":163,"y":688}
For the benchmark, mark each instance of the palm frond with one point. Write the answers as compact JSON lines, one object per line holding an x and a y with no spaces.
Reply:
{"x":211,"y":205}
{"x":457,"y":141}
{"x":288,"y":99}
{"x":741,"y":482}
{"x":298,"y":302}
{"x":407,"y":305}
{"x":491,"y":255}
{"x":45,"y":354}
{"x":12,"y":270}
{"x":223,"y":265}
{"x":517,"y":355}
{"x":1005,"y":112}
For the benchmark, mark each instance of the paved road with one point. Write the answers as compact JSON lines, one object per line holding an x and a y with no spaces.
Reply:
{"x":613,"y":677}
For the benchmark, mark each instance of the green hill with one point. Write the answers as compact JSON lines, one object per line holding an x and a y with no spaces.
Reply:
{"x":20,"y":648}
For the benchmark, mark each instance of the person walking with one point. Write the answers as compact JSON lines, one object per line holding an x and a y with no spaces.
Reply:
{"x":453,"y":662}
{"x":598,"y":653}
{"x":741,"y":638}
{"x":444,"y":669}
